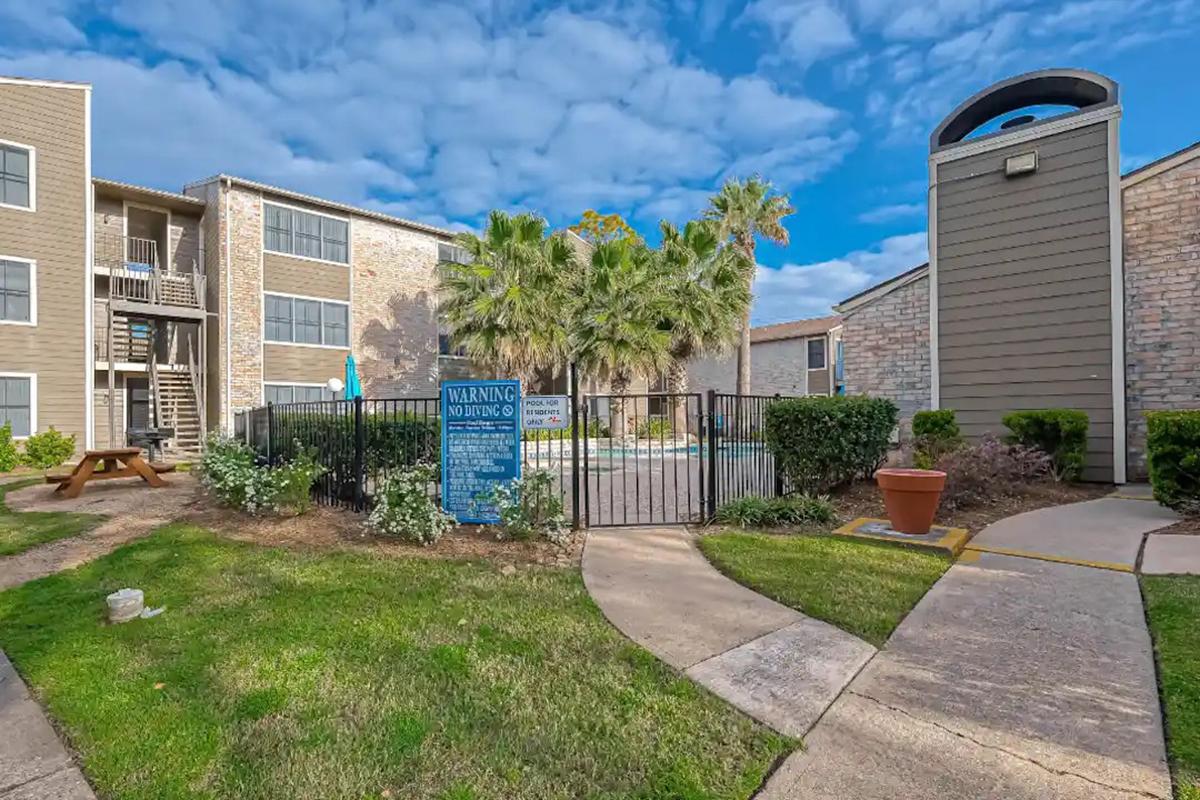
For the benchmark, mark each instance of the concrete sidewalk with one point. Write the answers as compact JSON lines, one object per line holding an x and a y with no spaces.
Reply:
{"x":34,"y":765}
{"x":1015,"y":677}
{"x":774,"y":663}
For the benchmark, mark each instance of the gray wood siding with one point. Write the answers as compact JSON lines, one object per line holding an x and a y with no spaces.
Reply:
{"x":1024,"y":300}
{"x":51,"y":120}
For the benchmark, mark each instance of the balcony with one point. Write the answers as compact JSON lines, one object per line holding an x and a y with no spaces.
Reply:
{"x":138,"y":284}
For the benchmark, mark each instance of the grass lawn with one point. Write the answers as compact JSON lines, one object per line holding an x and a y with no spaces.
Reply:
{"x":276,"y":673}
{"x":1173,"y":608}
{"x":860,"y":587}
{"x":21,"y":531}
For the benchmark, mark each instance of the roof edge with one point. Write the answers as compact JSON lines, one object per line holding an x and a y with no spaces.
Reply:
{"x":182,"y":198}
{"x":1161,"y":165}
{"x":321,"y":201}
{"x":873,"y":293}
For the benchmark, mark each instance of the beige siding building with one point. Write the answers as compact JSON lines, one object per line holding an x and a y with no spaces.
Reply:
{"x":45,"y":250}
{"x":790,"y":358}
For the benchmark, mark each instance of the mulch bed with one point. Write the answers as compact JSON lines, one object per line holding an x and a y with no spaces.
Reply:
{"x":326,"y":528}
{"x":1188,"y":525}
{"x":864,"y":500}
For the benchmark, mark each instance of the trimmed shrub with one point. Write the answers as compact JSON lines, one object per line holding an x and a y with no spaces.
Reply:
{"x":820,"y":443}
{"x":776,"y":512}
{"x":1173,"y":445}
{"x":935,"y":433}
{"x":595,"y":429}
{"x":990,"y":468}
{"x":531,"y":507}
{"x":404,"y":509}
{"x":655,"y":428}
{"x":1059,"y":432}
{"x":9,"y":458}
{"x":48,"y":449}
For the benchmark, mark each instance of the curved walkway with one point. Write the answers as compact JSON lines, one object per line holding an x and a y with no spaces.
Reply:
{"x":1026,"y":677}
{"x":774,"y":663}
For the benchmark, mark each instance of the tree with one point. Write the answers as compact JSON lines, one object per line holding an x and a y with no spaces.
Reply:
{"x":509,"y":306}
{"x":616,"y":332}
{"x":704,"y":297}
{"x":745,"y":210}
{"x":596,"y":228}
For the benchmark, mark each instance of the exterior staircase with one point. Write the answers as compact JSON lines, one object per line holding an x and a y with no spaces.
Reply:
{"x":178,"y":407}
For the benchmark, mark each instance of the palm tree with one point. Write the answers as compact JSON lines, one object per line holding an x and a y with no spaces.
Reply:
{"x":704,"y":299}
{"x":743,"y":211}
{"x":616,"y":327}
{"x":509,"y":305}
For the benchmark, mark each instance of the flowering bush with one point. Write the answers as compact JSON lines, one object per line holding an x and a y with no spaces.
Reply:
{"x":404,"y":509}
{"x":530,"y":507}
{"x":988,"y":469}
{"x":229,"y":470}
{"x":48,"y":449}
{"x":8,"y":449}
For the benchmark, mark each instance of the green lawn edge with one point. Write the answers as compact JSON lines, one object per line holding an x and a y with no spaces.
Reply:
{"x":23,"y":530}
{"x":864,"y":588}
{"x":276,"y":672}
{"x":1173,"y":612}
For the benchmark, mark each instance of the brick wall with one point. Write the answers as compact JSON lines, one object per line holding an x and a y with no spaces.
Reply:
{"x":1162,"y":300}
{"x":245,"y":283}
{"x":886,"y":349}
{"x":394,"y":309}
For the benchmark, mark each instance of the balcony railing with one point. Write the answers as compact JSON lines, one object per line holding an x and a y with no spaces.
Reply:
{"x":131,"y":343}
{"x":135,"y":274}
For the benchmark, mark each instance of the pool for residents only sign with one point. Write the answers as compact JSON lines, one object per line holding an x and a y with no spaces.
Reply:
{"x":546,"y":412}
{"x":481,"y":445}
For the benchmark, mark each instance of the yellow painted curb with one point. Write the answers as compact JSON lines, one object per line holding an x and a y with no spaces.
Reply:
{"x":952,"y":541}
{"x":1006,"y":551}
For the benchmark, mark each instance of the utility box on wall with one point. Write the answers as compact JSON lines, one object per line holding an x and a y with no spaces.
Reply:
{"x":1025,"y":252}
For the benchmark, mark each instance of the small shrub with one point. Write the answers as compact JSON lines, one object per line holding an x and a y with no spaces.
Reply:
{"x":531,"y":507}
{"x":229,"y":470}
{"x":48,"y":449}
{"x":404,"y":509}
{"x":294,"y":481}
{"x":775,"y":512}
{"x":1060,"y":432}
{"x":989,"y":469}
{"x":595,"y":429}
{"x":655,"y":428}
{"x":935,"y":433}
{"x":820,"y":443}
{"x":9,"y":458}
{"x":1173,"y":445}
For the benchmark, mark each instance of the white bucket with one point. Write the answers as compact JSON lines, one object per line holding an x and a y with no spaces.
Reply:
{"x":125,"y":605}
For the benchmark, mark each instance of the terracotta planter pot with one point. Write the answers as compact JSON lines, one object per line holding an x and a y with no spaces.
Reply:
{"x":911,"y":497}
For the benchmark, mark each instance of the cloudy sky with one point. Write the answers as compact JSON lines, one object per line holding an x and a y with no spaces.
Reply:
{"x":440,"y":112}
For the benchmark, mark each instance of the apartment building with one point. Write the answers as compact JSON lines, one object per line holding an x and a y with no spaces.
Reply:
{"x":124,"y":308}
{"x":800,"y":357}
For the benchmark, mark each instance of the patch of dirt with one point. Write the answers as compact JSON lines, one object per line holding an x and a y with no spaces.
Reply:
{"x":864,"y":500}
{"x":1189,"y":526}
{"x":326,"y":528}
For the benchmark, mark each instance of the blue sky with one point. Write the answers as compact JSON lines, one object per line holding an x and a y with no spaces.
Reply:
{"x":440,"y":112}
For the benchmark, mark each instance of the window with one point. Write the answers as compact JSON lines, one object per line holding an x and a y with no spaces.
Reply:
{"x":16,"y":176}
{"x":453,"y":253}
{"x":302,"y":233}
{"x":16,"y":403}
{"x":295,"y":320}
{"x":816,"y":354}
{"x":16,"y":291}
{"x":445,"y":347}
{"x":296,"y":393}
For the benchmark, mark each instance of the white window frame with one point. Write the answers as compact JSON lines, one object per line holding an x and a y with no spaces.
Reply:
{"x":824,"y":350}
{"x":33,"y":292}
{"x":32,"y":176}
{"x":263,"y":216}
{"x":322,"y":301}
{"x":33,"y":401}
{"x":293,"y":385}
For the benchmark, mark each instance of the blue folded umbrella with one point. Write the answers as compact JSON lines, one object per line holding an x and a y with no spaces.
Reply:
{"x":353,"y":385}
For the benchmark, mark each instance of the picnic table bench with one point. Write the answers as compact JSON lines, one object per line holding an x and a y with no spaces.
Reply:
{"x":102,"y":465}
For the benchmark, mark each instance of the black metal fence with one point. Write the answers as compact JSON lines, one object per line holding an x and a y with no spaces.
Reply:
{"x":655,"y":458}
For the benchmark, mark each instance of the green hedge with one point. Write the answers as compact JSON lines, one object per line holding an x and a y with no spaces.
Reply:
{"x":392,"y":440}
{"x":1173,"y":445}
{"x":1059,"y":432}
{"x":935,"y":433}
{"x":823,"y":442}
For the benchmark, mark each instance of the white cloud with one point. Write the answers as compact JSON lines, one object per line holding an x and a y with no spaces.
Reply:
{"x":805,"y":31}
{"x":444,"y":109}
{"x":797,"y":291}
{"x":891,"y":213}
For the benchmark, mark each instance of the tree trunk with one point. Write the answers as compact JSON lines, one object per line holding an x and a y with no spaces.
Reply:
{"x":677,"y":382}
{"x":617,"y":416}
{"x":743,"y":357}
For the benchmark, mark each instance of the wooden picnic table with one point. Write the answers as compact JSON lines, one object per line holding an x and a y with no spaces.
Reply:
{"x":102,"y":465}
